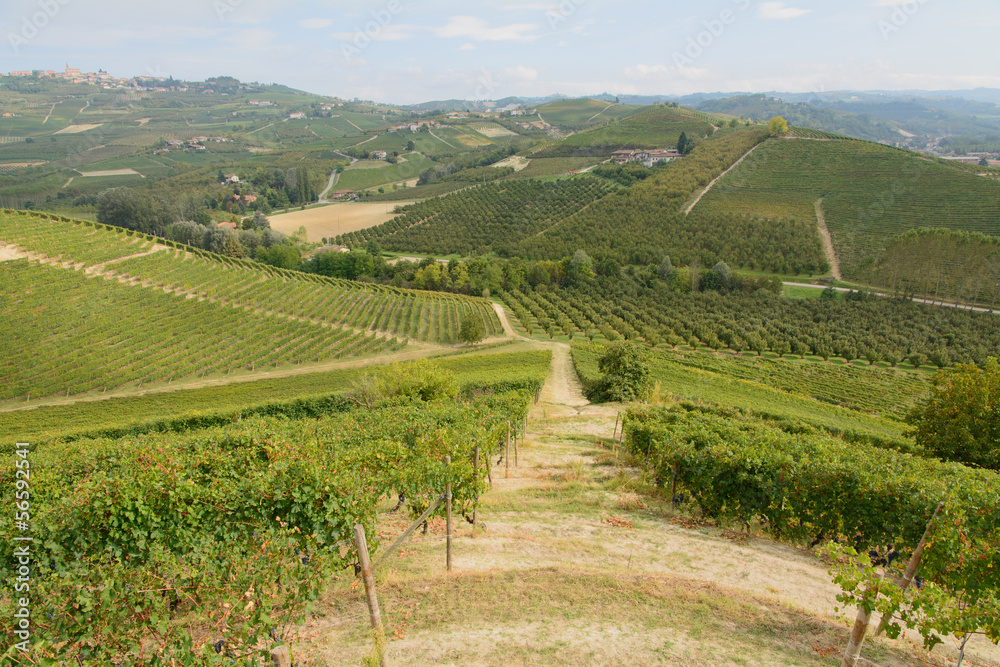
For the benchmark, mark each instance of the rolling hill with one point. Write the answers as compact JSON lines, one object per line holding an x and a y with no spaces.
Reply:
{"x":869,"y":193}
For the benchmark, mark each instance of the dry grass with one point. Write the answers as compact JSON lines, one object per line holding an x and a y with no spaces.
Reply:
{"x":335,"y":219}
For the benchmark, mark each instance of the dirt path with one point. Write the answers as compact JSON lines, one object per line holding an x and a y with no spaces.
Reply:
{"x":708,"y":188}
{"x":441,"y":140}
{"x":824,"y":232}
{"x":600,"y":112}
{"x":568,"y":565}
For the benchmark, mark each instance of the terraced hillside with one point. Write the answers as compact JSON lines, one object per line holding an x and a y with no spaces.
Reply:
{"x":92,"y":307}
{"x":870,"y":193}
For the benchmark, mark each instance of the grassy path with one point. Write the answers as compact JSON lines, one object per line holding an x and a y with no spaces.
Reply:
{"x":824,"y":233}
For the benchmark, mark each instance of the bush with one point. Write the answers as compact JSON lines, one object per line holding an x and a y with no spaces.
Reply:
{"x":626,"y":370}
{"x":960,"y":420}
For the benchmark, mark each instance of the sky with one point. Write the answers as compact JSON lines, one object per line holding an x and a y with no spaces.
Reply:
{"x":410,"y":51}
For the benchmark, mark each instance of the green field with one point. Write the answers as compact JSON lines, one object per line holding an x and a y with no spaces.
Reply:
{"x":653,"y":127}
{"x":581,"y":114}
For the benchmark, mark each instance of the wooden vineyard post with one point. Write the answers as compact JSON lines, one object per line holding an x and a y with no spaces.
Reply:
{"x":911,"y":568}
{"x":447,"y":509}
{"x":516,"y":464}
{"x":366,"y":575}
{"x":673,"y":490}
{"x":280,"y":657}
{"x":853,"y":653}
{"x":617,"y":417}
{"x":506,"y":453}
{"x":475,"y":506}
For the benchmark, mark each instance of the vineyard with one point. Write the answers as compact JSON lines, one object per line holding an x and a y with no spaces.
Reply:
{"x":201,"y":314}
{"x":494,"y":217}
{"x":581,"y":114}
{"x":875,"y":330}
{"x":680,"y":381}
{"x":871,"y":193}
{"x":223,"y":537}
{"x":656,"y":127}
{"x":809,"y":487}
{"x":297,"y":396}
{"x":643,"y":223}
{"x":73,"y":334}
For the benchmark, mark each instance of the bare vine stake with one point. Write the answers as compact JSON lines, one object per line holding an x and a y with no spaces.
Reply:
{"x":369,"y":581}
{"x":280,"y":657}
{"x":447,"y":508}
{"x":911,"y":568}
{"x":506,"y":454}
{"x":853,"y":653}
{"x":673,"y":490}
{"x":617,"y":416}
{"x":475,"y":506}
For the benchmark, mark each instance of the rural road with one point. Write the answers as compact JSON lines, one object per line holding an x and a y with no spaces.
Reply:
{"x":915,"y":300}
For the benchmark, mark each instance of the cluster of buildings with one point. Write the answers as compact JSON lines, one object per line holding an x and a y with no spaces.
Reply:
{"x":648,"y":157}
{"x":413,"y":127}
{"x":196,"y":143}
{"x":71,"y":74}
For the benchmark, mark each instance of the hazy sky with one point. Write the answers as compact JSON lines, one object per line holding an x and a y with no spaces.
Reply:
{"x":407,"y":51}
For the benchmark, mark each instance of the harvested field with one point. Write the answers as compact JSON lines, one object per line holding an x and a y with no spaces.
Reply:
{"x":492,"y":130}
{"x":327,"y":221}
{"x":76,"y":129}
{"x":111,"y":172}
{"x":515,"y":161}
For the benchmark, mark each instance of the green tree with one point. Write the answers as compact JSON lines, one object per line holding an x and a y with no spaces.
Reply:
{"x":132,"y":209}
{"x":778,"y":126}
{"x":472,"y":330}
{"x":666,"y":269}
{"x":626,"y":371}
{"x":960,"y":420}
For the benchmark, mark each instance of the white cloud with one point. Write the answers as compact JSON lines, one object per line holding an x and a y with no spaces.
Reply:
{"x":777,"y":11}
{"x":468,"y":46}
{"x":478,"y":30}
{"x":389,"y":33}
{"x":664,"y":75}
{"x":521,"y":73}
{"x":314,"y":24}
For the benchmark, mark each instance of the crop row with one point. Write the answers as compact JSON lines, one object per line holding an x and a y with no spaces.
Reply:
{"x":73,"y":334}
{"x":244,"y":524}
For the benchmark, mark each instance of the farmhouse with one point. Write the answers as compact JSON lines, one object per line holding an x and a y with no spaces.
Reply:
{"x":297,"y":116}
{"x":649,"y":157}
{"x":231,"y":178}
{"x":379,"y":155}
{"x":344,"y":195}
